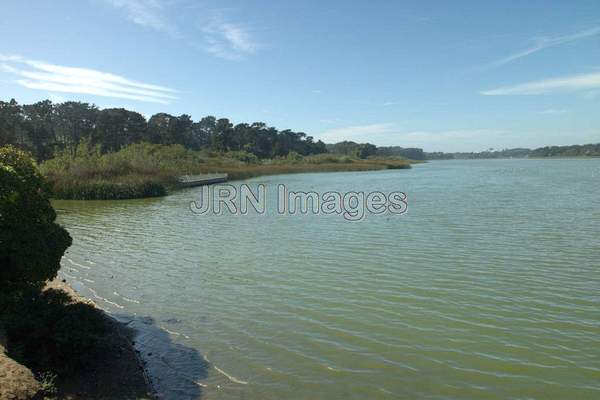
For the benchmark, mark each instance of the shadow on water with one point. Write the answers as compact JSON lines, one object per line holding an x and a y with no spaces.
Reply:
{"x":175,"y":370}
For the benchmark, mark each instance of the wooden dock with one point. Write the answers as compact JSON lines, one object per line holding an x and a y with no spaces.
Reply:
{"x":200,"y":180}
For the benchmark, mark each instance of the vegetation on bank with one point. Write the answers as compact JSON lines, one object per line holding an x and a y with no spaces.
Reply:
{"x":45,"y":128}
{"x":45,"y":330}
{"x":365,"y":150}
{"x":145,"y":169}
{"x":89,"y":153}
{"x":585,"y":150}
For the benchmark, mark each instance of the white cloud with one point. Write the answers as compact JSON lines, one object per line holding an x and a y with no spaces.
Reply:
{"x":228,"y":40}
{"x":562,"y":84}
{"x":542,"y":43}
{"x":147,"y":13}
{"x":220,"y":37}
{"x":553,"y":111}
{"x":56,"y":78}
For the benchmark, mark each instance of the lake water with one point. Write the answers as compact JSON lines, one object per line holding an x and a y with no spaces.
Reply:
{"x":489,"y":287}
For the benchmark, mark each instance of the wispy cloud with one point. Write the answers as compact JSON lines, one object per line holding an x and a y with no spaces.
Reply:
{"x":562,"y":84}
{"x":219,"y":36}
{"x":545,"y":42}
{"x":147,"y":13}
{"x":57,"y":78}
{"x":228,"y":40}
{"x":553,"y":111}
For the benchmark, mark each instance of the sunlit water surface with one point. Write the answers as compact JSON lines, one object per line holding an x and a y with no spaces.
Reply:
{"x":489,"y":287}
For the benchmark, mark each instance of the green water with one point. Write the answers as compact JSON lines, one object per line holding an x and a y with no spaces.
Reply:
{"x":488,"y":288}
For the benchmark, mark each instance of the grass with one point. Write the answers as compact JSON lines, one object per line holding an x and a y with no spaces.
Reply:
{"x":148,"y":170}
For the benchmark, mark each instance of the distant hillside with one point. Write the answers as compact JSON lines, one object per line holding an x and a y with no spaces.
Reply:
{"x":585,"y":150}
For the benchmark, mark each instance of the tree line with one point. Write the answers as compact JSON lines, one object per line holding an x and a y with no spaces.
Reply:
{"x":43,"y":128}
{"x":584,"y":150}
{"x":365,"y":150}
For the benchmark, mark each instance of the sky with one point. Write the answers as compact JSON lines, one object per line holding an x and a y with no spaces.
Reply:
{"x":439,"y":75}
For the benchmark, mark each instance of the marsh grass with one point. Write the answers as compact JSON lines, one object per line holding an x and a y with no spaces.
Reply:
{"x":148,"y":170}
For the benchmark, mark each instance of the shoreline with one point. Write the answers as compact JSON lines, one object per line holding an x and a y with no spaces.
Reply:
{"x":119,"y":373}
{"x":71,"y":188}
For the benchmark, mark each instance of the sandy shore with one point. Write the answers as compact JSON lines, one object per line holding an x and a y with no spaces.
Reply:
{"x":117,"y":373}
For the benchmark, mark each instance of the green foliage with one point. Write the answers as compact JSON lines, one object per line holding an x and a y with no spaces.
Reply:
{"x":243,"y":156}
{"x":397,"y":151}
{"x":329,"y":159}
{"x":44,"y":128}
{"x":126,"y":187}
{"x":353,"y":149}
{"x":47,"y":382}
{"x":294,"y":157}
{"x":46,"y":331}
{"x":31,"y":243}
{"x":144,"y":169}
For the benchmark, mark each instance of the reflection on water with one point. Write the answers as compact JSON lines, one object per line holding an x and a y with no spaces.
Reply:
{"x":487,"y":287}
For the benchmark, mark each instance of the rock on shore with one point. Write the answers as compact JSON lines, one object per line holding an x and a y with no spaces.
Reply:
{"x":16,"y":381}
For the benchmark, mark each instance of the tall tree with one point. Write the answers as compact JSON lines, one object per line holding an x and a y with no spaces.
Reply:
{"x":74,"y":121}
{"x":11,"y":125}
{"x":117,"y":127}
{"x":40,"y":128}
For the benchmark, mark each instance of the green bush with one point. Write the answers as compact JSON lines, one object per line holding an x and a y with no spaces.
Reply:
{"x":46,"y":331}
{"x":31,"y":243}
{"x":294,"y":157}
{"x":146,"y":170}
{"x":243,"y":156}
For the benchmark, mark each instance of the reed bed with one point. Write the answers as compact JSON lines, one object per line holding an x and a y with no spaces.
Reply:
{"x":149,"y":170}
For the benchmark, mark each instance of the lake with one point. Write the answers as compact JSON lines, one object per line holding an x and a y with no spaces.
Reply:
{"x":488,"y":287}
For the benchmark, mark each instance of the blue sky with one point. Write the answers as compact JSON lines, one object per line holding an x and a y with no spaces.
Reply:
{"x":441,"y":75}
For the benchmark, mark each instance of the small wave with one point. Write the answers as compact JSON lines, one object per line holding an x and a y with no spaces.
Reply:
{"x":105,"y":299}
{"x":77,"y":264}
{"x":231,"y":378}
{"x":174,"y":333}
{"x":127,"y":298}
{"x":88,"y":280}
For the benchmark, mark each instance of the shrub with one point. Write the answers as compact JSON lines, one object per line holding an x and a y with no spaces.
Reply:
{"x":31,"y":243}
{"x":129,"y":187}
{"x":46,"y":331}
{"x":243,"y":156}
{"x":294,"y":157}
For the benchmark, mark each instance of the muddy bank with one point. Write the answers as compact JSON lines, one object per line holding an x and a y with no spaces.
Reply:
{"x":114,"y":373}
{"x":112,"y":370}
